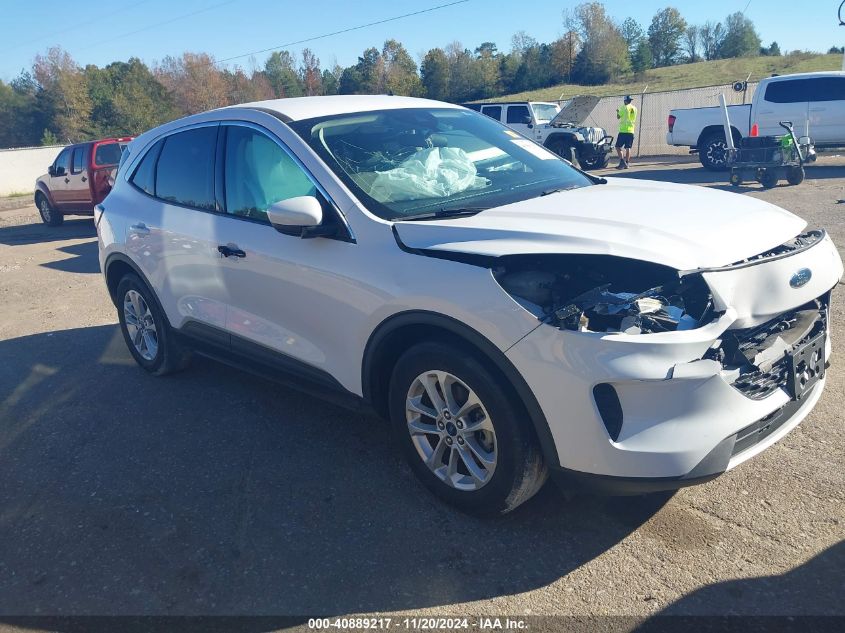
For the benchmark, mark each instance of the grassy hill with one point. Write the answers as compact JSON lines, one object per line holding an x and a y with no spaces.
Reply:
{"x":720,"y":71}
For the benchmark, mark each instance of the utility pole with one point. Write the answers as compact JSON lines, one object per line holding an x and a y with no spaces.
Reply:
{"x":841,"y":23}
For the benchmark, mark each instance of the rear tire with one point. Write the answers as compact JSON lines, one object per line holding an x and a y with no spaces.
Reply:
{"x":49,"y":215}
{"x":713,"y":152}
{"x":795,"y":175}
{"x":736,"y":179}
{"x":487,"y":471}
{"x":148,"y":335}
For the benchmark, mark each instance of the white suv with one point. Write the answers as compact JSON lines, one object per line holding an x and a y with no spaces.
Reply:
{"x":511,"y":316}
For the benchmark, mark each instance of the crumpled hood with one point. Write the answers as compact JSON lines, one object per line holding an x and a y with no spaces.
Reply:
{"x":682,"y":226}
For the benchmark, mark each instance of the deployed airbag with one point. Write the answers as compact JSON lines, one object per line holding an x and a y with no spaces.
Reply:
{"x":434,"y":172}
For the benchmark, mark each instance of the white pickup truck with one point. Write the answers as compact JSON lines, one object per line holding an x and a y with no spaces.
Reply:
{"x":813,"y":102}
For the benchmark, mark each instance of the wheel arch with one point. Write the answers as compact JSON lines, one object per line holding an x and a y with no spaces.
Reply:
{"x":41,"y":188}
{"x":567,"y":137}
{"x":117,"y":265}
{"x":398,"y":332}
{"x":711,"y":129}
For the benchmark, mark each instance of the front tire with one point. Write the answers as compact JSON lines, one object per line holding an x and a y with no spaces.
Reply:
{"x":769,"y":179}
{"x":598,"y":162}
{"x":49,"y":215}
{"x":464,"y":434}
{"x":713,"y":152}
{"x":795,"y":175}
{"x":147,"y":333}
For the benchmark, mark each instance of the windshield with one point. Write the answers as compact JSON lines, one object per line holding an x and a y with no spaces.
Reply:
{"x":544,"y":112}
{"x":413,"y":161}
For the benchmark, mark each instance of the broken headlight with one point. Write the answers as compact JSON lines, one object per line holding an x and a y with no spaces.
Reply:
{"x":605,"y":293}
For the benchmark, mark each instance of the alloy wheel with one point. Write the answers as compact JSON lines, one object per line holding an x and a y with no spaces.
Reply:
{"x":140,"y":325}
{"x":451,"y":430}
{"x":717,"y":153}
{"x":44,"y":209}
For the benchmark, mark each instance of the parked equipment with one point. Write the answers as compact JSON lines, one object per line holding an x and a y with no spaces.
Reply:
{"x":769,"y":159}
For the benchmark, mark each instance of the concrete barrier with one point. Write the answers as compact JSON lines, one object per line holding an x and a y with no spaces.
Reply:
{"x":20,"y":167}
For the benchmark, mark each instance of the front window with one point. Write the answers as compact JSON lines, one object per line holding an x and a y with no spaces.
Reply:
{"x":414,"y":161}
{"x":544,"y":112}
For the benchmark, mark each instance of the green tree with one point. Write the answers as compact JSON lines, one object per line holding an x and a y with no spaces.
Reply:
{"x":310,"y":73}
{"x":435,"y":74}
{"x":399,"y":70}
{"x":604,"y":53}
{"x":280,"y":70}
{"x":711,"y":35}
{"x":664,"y":36}
{"x":741,"y":38}
{"x":691,"y":43}
{"x":642,"y":60}
{"x":563,"y":52}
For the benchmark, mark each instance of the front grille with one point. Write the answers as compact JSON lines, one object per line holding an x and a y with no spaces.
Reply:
{"x":750,"y":350}
{"x":764,"y":427}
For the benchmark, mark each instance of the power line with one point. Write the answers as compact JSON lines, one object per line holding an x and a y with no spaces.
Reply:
{"x":99,"y":18}
{"x":157,"y":24}
{"x":352,"y":28}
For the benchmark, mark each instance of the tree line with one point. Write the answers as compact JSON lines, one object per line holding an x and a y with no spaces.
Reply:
{"x":57,"y":101}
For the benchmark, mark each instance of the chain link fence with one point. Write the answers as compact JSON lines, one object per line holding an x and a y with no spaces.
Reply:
{"x":653,"y":112}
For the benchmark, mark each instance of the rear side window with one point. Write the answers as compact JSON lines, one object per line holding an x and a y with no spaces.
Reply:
{"x":518,"y":114}
{"x":78,"y":162}
{"x":259,"y":173}
{"x":185,"y":170}
{"x":827,"y":89}
{"x":145,"y":175}
{"x":788,"y":91}
{"x":494,"y":112}
{"x":107,"y":154}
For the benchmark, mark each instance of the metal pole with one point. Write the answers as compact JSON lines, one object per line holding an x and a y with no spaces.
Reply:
{"x":640,"y":122}
{"x":729,"y":137}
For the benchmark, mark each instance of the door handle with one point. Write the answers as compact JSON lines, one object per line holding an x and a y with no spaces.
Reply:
{"x":230,"y":251}
{"x":84,"y":179}
{"x":67,"y":180}
{"x":139,"y":229}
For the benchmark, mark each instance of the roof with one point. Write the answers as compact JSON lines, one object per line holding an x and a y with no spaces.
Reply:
{"x":298,"y":108}
{"x":501,"y":103}
{"x":817,"y":73}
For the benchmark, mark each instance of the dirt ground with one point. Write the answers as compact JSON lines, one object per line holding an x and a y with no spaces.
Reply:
{"x":216,"y":492}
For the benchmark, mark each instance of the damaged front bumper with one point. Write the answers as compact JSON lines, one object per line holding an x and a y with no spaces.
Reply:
{"x":635,"y":413}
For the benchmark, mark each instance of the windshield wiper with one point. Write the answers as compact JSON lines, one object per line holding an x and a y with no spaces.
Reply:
{"x":549,"y":192}
{"x":444,"y":214}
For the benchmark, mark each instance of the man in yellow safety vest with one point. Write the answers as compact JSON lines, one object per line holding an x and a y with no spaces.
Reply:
{"x":627,"y":115}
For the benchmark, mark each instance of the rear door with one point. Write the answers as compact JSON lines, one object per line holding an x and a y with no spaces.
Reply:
{"x":518,"y":117}
{"x":827,"y":110}
{"x":78,"y":190}
{"x":782,"y":100}
{"x":174,"y":234}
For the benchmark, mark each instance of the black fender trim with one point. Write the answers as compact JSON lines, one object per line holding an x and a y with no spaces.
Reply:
{"x":490,"y":351}
{"x":120,"y":257}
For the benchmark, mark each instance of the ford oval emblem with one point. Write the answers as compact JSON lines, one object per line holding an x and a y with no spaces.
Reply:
{"x":801,"y":277}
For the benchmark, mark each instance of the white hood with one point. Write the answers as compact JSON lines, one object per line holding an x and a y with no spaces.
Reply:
{"x":681,"y":226}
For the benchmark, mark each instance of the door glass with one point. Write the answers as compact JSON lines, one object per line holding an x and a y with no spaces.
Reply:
{"x":78,"y":164}
{"x":494,"y":112}
{"x":63,"y":161}
{"x":259,"y":173}
{"x":827,"y":89}
{"x":518,"y":114}
{"x":107,"y":154}
{"x":185,"y":170}
{"x":788,"y":91}
{"x":144,"y":176}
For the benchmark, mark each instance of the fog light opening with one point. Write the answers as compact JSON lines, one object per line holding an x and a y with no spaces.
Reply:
{"x":610,"y":409}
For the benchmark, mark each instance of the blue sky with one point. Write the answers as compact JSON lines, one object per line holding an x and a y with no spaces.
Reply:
{"x":99,"y":33}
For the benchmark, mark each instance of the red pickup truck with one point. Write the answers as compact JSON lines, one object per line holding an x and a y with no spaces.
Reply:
{"x":79,"y":178}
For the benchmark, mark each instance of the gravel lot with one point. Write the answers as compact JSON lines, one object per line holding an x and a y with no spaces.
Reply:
{"x":216,"y":492}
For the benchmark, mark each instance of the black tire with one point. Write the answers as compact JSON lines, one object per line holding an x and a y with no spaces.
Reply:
{"x":170,"y":356}
{"x":519,"y":470}
{"x":795,"y":175}
{"x":564,"y":150}
{"x":597,"y":162}
{"x":713,"y":151}
{"x":49,"y":215}
{"x":769,"y":179}
{"x":736,"y":179}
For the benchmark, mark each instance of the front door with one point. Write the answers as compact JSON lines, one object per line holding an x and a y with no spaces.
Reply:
{"x":60,"y":178}
{"x":286,"y":294}
{"x":827,"y":111}
{"x":518,"y":117}
{"x":78,"y":192}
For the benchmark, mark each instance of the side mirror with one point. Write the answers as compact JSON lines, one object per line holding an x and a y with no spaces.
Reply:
{"x":294,"y":214}
{"x":59,"y":171}
{"x":51,"y":170}
{"x":527,"y":120}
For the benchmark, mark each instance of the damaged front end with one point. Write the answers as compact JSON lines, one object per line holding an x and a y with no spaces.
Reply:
{"x":594,"y":293}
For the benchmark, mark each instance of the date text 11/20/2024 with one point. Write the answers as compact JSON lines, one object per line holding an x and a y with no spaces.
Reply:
{"x":418,"y":624}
